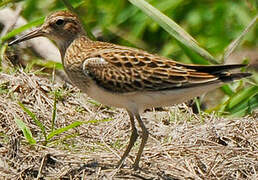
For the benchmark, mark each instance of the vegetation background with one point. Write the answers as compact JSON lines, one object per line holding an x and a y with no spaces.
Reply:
{"x":44,"y":121}
{"x":214,"y":24}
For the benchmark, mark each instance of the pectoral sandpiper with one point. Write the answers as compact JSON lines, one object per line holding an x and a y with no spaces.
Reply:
{"x":126,"y":77}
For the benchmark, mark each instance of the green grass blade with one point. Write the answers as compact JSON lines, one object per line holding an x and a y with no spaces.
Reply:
{"x":73,"y":125}
{"x":220,"y":108}
{"x":227,"y":90}
{"x":194,"y":57}
{"x":26,"y":131}
{"x":233,"y":45}
{"x":243,"y":96}
{"x":64,"y":129}
{"x":174,"y":29}
{"x":48,"y":64}
{"x":244,"y":108}
{"x":22,"y":28}
{"x":35,"y":119}
{"x":54,"y":112}
{"x":198,"y":105}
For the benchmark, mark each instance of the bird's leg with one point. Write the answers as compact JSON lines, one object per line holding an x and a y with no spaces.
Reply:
{"x":133,"y":138}
{"x":145,"y":135}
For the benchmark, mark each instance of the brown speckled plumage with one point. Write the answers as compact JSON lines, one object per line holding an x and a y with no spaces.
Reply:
{"x":127,"y":69}
{"x":127,"y":77}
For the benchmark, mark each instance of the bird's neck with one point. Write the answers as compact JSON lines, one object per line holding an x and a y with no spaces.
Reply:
{"x":65,"y":43}
{"x":72,"y":49}
{"x":62,"y":46}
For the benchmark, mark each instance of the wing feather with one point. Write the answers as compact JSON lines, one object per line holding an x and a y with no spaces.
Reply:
{"x":129,"y":70}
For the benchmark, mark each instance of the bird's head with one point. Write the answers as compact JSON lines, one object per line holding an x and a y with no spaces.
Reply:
{"x":62,"y":27}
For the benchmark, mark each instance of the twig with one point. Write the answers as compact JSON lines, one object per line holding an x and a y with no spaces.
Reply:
{"x":42,"y":164}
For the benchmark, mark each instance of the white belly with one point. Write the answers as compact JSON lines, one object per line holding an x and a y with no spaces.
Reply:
{"x":138,"y":101}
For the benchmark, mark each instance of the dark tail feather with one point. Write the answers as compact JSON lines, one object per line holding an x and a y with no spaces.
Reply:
{"x":216,"y":69}
{"x":228,"y":77}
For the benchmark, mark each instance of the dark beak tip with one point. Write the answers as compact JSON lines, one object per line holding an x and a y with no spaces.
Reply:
{"x":10,"y":43}
{"x":30,"y":35}
{"x":16,"y":41}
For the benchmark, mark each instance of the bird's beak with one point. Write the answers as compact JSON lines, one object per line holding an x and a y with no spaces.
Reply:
{"x":35,"y":33}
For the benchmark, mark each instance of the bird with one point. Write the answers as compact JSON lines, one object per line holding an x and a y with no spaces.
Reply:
{"x":126,"y":77}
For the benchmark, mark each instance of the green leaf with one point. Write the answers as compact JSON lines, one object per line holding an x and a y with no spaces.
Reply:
{"x":173,"y":29}
{"x":35,"y":119}
{"x":48,"y":64}
{"x":73,"y":125}
{"x":227,"y":90}
{"x":25,"y":130}
{"x":64,"y":129}
{"x":198,"y":105}
{"x":244,"y":108}
{"x":194,"y":57}
{"x":242,"y":97}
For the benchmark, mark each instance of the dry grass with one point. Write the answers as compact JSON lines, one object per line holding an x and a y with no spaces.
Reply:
{"x":181,"y":145}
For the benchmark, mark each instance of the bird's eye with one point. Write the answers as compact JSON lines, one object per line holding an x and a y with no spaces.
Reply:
{"x":60,"y":22}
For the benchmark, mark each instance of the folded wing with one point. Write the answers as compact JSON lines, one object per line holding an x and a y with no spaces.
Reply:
{"x":129,"y":70}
